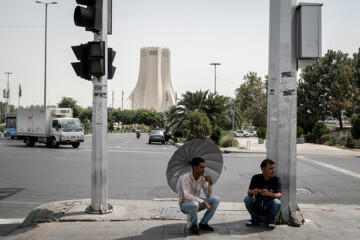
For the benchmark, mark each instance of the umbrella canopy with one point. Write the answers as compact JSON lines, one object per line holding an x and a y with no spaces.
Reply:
{"x":179,"y":163}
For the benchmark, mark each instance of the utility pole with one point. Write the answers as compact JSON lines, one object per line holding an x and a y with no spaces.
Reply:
{"x":282,"y":105}
{"x":215,"y":64}
{"x":8,"y":94}
{"x":122,"y":100}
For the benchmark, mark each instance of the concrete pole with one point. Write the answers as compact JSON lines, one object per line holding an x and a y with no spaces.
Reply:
{"x":282,"y":87}
{"x":99,"y":160}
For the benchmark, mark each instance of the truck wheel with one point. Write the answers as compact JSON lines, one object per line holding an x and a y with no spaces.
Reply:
{"x":53,"y":143}
{"x":75,"y":145}
{"x":12,"y":137}
{"x":32,"y":143}
{"x":27,"y":142}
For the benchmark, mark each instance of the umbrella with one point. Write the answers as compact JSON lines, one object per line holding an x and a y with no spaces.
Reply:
{"x":179,"y":163}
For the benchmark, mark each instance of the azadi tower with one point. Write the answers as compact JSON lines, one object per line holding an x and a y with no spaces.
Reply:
{"x":153,"y":90}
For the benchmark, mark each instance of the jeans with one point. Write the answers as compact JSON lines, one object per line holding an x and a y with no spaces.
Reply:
{"x":272,"y":208}
{"x":193,"y":207}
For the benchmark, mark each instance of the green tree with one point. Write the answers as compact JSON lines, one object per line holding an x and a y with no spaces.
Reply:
{"x":326,"y":88}
{"x":86,"y":115}
{"x":251,"y":99}
{"x":70,"y":103}
{"x":319,"y":130}
{"x":198,"y":124}
{"x":355,"y":126}
{"x":218,"y":110}
{"x":150,"y":118}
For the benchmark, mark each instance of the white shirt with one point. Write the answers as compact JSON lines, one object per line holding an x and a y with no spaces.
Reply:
{"x":189,"y":189}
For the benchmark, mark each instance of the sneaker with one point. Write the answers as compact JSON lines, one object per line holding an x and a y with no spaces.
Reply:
{"x":194,"y":229}
{"x":271,"y":226}
{"x":252,"y":222}
{"x":206,"y":227}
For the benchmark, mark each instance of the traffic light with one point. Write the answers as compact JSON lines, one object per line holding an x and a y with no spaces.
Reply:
{"x":81,"y":68}
{"x":111,"y":68}
{"x":89,"y":17}
{"x":92,"y":59}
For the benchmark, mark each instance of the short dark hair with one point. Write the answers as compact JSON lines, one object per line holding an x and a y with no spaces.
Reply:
{"x":196,"y":161}
{"x":266,"y":162}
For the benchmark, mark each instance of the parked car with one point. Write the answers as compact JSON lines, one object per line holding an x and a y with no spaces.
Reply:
{"x":236,"y":134}
{"x":243,"y":133}
{"x":156,"y":136}
{"x":252,"y":134}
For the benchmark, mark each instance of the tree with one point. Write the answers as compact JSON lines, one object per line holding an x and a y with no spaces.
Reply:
{"x":319,"y":130}
{"x":251,"y":99}
{"x":326,"y":88}
{"x":218,"y":110}
{"x":86,"y":115}
{"x":150,"y":118}
{"x":190,"y":102}
{"x":198,"y":124}
{"x":70,"y":103}
{"x":355,"y":126}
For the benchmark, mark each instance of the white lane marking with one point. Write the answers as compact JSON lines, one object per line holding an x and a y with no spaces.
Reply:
{"x":21,"y":202}
{"x":344,"y":171}
{"x":164,"y":147}
{"x":11,"y":220}
{"x":128,"y":151}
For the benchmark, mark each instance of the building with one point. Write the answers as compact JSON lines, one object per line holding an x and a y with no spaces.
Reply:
{"x":154,"y":89}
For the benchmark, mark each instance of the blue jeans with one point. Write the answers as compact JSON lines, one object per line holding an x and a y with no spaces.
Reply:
{"x":193,"y":207}
{"x":272,"y":208}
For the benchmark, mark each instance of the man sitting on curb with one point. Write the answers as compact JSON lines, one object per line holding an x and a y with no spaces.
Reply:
{"x":189,"y":193}
{"x":266,"y":188}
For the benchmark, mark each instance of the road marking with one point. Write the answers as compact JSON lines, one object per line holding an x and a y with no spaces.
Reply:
{"x":129,"y":151}
{"x":11,"y":220}
{"x":21,"y":202}
{"x":344,"y":171}
{"x":164,"y":147}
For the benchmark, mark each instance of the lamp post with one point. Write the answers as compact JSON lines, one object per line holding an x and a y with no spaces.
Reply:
{"x":46,"y":4}
{"x":8,"y":94}
{"x":215,"y":64}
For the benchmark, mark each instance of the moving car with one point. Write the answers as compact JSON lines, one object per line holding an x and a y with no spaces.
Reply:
{"x":156,"y":136}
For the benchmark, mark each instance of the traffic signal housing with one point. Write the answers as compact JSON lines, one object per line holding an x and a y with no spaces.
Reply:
{"x":111,"y":68}
{"x":89,"y":17}
{"x":81,"y":68}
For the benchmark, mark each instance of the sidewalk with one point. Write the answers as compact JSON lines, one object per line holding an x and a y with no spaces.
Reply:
{"x":134,"y":219}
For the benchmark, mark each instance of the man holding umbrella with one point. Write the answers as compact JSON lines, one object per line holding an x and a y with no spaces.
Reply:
{"x":189,"y":196}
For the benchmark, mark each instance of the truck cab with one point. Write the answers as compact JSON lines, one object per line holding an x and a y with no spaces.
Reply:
{"x":10,"y":125}
{"x":67,"y":131}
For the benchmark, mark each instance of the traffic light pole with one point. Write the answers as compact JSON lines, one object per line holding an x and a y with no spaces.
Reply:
{"x":99,"y":160}
{"x":282,"y":102}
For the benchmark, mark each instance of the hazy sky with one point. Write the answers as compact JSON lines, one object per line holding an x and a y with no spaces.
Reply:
{"x":197,"y":32}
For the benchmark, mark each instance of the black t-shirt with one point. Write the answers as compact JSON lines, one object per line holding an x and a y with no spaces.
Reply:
{"x":273,"y":185}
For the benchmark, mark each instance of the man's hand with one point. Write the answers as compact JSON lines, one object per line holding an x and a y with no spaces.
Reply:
{"x":208,"y":207}
{"x":256,"y":191}
{"x":266,"y":193}
{"x":208,"y":179}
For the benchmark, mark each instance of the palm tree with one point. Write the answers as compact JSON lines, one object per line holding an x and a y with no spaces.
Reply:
{"x":218,"y":109}
{"x":196,"y":101}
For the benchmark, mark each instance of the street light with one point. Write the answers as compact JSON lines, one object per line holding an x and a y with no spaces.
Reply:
{"x":46,"y":4}
{"x":215,"y":64}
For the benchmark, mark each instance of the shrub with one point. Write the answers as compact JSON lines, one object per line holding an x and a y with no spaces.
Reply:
{"x":226,"y":141}
{"x":319,"y":130}
{"x":2,"y":127}
{"x":342,"y":140}
{"x":299,"y":131}
{"x":178,"y":134}
{"x":350,"y":142}
{"x":310,"y":138}
{"x":326,"y":138}
{"x":216,"y":134}
{"x":197,"y":124}
{"x":261,"y":132}
{"x":355,"y":126}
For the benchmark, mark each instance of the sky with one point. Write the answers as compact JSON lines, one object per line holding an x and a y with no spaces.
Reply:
{"x":234,"y":33}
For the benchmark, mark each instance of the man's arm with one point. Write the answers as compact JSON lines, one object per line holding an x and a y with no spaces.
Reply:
{"x":253,"y":192}
{"x":207,"y":186}
{"x":266,"y":193}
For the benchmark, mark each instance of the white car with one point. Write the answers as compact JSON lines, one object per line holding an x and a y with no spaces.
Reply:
{"x":252,"y":134}
{"x":242,"y":133}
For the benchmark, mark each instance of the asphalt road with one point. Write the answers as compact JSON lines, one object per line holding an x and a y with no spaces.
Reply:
{"x":33,"y":176}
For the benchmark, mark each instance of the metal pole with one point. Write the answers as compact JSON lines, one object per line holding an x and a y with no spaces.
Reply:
{"x":215,"y":64}
{"x":8,"y":93}
{"x":99,"y":160}
{"x":46,"y":5}
{"x":282,"y":87}
{"x":122,"y":101}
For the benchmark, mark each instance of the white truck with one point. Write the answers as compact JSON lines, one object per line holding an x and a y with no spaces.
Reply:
{"x":51,"y":126}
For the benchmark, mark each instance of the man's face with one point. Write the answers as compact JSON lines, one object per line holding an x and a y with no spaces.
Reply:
{"x":200,"y":170}
{"x":269,"y":170}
